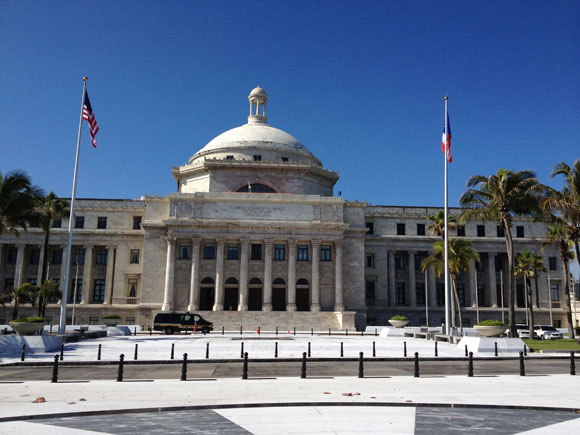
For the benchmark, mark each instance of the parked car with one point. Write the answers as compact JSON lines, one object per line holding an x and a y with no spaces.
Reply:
{"x":547,"y":332}
{"x":176,"y":322}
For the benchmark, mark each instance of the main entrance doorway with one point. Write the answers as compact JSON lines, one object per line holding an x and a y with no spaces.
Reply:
{"x":279,"y":295}
{"x":302,"y":295}
{"x":231,"y":295}
{"x":206,"y":294}
{"x":255,"y":295}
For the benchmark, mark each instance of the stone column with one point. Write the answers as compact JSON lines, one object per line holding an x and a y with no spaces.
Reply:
{"x":412,"y":285}
{"x":109,"y":280}
{"x":432,"y":282}
{"x":338,"y":291}
{"x":292,"y":244}
{"x":315,"y":306}
{"x":391,"y":274}
{"x":19,"y":272}
{"x":245,"y":246}
{"x":169,"y":276}
{"x":39,"y":271}
{"x":492,"y":280}
{"x":219,"y":276}
{"x":194,"y":282}
{"x":472,"y":291}
{"x":267,"y":306}
{"x":87,"y":273}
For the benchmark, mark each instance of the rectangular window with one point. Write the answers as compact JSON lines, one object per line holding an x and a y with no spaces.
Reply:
{"x":279,"y":252}
{"x":419,"y":257}
{"x":520,"y":231}
{"x":440,"y":293}
{"x":420,"y":293}
{"x":370,"y":260}
{"x":302,"y":252}
{"x":101,"y":256}
{"x":34,"y":256}
{"x":56,"y":257}
{"x":481,"y":295}
{"x":79,"y":256}
{"x":370,"y":228}
{"x":257,"y":158}
{"x":132,"y":287}
{"x":256,"y":251}
{"x":233,"y":252}
{"x":79,"y":221}
{"x":325,"y":253}
{"x":208,"y":251}
{"x":399,"y":262}
{"x":500,"y":231}
{"x":370,"y":290}
{"x":552,"y":263}
{"x":420,"y":229}
{"x":99,"y":291}
{"x":229,"y":157}
{"x":479,"y":266}
{"x":137,"y":222}
{"x":400,"y":229}
{"x":134,"y":256}
{"x":400,"y":293}
{"x":481,"y":231}
{"x":129,"y":320}
{"x":56,"y":223}
{"x":93,"y":320}
{"x":555,"y":292}
{"x":102,"y":223}
{"x":11,"y":255}
{"x":520,"y":295}
{"x":460,"y":292}
{"x":184,"y":251}
{"x":76,"y":291}
{"x":460,"y":230}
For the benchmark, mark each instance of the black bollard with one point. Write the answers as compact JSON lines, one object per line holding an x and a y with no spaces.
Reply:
{"x":135,"y":332}
{"x":362,"y":333}
{"x":572,"y":364}
{"x":295,"y":330}
{"x":61,"y":351}
{"x":276,"y":350}
{"x":23,"y":353}
{"x":405,"y":349}
{"x":416,"y":371}
{"x":150,"y":330}
{"x":245,"y":369}
{"x":242,"y":350}
{"x":99,"y":353}
{"x":276,"y":330}
{"x":308,"y":349}
{"x":522,"y":366}
{"x":376,"y":332}
{"x":347,"y":332}
{"x":206,"y":350}
{"x":55,"y":370}
{"x":495,"y":344}
{"x":120,"y":370}
{"x":136,"y":352}
{"x":341,"y":349}
{"x":259,"y":330}
{"x":240,"y":329}
{"x":223,"y":331}
{"x":466,"y":350}
{"x":525,"y":350}
{"x":303,"y":371}
{"x":172,"y":350}
{"x":50,"y":329}
{"x":374,"y":350}
{"x":436,"y":353}
{"x":329,"y":332}
{"x":184,"y":368}
{"x":361,"y":370}
{"x":470,"y":366}
{"x":311,"y":332}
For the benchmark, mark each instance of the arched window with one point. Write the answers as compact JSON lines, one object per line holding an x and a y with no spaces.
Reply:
{"x":231,"y":281}
{"x":279,"y":281}
{"x":256,"y":281}
{"x":207,"y":280}
{"x":256,"y":188}
{"x":302,"y":281}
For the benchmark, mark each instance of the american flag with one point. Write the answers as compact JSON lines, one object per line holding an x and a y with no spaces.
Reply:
{"x":447,"y":141}
{"x":90,"y":117}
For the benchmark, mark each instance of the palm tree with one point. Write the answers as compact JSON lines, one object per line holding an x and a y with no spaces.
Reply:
{"x":48,"y":289}
{"x":500,"y":197}
{"x":24,"y":294}
{"x":525,"y":266}
{"x":558,"y":234}
{"x":17,"y":201}
{"x":461,"y":252}
{"x":438,"y":225}
{"x":537,"y":266}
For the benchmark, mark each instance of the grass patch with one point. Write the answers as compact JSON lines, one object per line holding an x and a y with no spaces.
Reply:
{"x":565,"y":344}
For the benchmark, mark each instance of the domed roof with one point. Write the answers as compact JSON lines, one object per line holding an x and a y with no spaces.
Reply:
{"x":258,"y":91}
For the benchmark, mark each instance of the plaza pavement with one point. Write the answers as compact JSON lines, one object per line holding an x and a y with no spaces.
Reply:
{"x":339,"y":405}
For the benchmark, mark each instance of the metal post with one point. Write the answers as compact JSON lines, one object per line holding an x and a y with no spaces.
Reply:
{"x":572,"y":364}
{"x":416,"y":371}
{"x":362,"y":333}
{"x":311,"y":332}
{"x":150,"y":330}
{"x":55,"y":370}
{"x":495,"y":344}
{"x":501,"y":291}
{"x":23,"y":353}
{"x":136,"y":351}
{"x":376,"y":332}
{"x":341,"y":349}
{"x":361,"y":370}
{"x":276,"y":330}
{"x":120,"y":370}
{"x":276,"y":350}
{"x":303,"y":371}
{"x":308,"y":349}
{"x":184,"y":368}
{"x":75,"y":294}
{"x":405,"y":349}
{"x":466,"y":350}
{"x":99,"y":353}
{"x":295,"y":330}
{"x":426,"y":301}
{"x":206,"y":350}
{"x":242,"y":350}
{"x":436,"y":353}
{"x":329,"y":332}
{"x":259,"y":330}
{"x":347,"y":332}
{"x":477,"y":297}
{"x":525,"y":351}
{"x":470,"y":366}
{"x":172,"y":350}
{"x":374,"y":350}
{"x":522,"y":366}
{"x":245,"y":369}
{"x":240,"y":329}
{"x":61,"y":351}
{"x":223,"y":331}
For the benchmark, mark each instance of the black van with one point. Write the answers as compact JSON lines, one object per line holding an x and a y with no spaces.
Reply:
{"x":172,"y":322}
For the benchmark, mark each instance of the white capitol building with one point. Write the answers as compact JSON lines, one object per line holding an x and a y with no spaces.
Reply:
{"x":254,"y":236}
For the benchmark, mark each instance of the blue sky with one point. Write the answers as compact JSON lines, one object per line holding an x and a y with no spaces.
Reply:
{"x":361,"y":84}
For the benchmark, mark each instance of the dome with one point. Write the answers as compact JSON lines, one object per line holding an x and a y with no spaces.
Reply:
{"x":258,"y":92}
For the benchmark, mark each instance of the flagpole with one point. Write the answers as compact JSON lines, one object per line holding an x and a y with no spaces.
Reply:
{"x":62,"y":324}
{"x":447,"y":293}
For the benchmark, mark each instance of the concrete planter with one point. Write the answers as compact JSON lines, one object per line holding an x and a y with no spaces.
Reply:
{"x":25,"y":328}
{"x":112,"y":322}
{"x":399,"y":323}
{"x":490,"y":331}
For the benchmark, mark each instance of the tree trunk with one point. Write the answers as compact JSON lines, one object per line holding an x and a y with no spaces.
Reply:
{"x":537,"y":290}
{"x":456,"y":296}
{"x":453,"y":323}
{"x":43,"y":276}
{"x":510,"y":277}
{"x":566,"y":284}
{"x":528,"y":282}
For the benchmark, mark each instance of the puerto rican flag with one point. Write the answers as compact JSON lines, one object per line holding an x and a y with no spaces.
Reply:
{"x":448,"y":141}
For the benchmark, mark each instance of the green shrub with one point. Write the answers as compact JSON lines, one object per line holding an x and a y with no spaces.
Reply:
{"x":112,"y":316}
{"x":29,"y":320}
{"x":398,"y":318}
{"x":490,"y":322}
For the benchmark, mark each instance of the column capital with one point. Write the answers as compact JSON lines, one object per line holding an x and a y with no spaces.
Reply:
{"x":220,"y":241}
{"x":171,"y":241}
{"x":268,"y":243}
{"x":110,"y":247}
{"x":292,"y":243}
{"x":195,"y":241}
{"x":245,"y":242}
{"x":316,"y":243}
{"x":339,"y":243}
